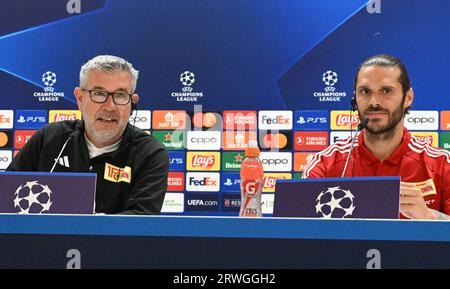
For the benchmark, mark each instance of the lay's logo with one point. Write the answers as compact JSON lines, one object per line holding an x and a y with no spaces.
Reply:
{"x":203,"y":161}
{"x":342,"y":120}
{"x":61,"y":115}
{"x":115,"y":174}
{"x":270,"y":180}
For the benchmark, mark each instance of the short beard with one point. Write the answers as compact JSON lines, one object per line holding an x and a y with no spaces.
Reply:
{"x":387,"y":132}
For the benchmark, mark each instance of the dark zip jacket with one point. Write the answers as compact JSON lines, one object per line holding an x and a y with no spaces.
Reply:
{"x":118,"y":191}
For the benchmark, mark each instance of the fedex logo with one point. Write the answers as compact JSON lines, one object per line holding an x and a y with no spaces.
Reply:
{"x":177,"y":161}
{"x":6,"y":118}
{"x":203,"y":182}
{"x":311,"y":120}
{"x":33,"y":119}
{"x":276,"y":120}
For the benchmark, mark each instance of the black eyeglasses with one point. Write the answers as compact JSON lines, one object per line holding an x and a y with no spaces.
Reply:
{"x":100,"y":96}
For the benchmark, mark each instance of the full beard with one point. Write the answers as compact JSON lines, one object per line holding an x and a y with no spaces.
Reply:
{"x":387,"y":131}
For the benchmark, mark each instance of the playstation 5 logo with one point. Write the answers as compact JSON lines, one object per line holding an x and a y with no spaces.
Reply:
{"x":64,"y":161}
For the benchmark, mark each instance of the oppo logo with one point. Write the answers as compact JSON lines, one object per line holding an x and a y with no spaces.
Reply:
{"x":420,"y":120}
{"x":204,"y":140}
{"x":138,"y":119}
{"x":275,"y":161}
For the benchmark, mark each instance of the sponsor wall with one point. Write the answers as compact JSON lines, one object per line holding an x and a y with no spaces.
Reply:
{"x":205,"y":93}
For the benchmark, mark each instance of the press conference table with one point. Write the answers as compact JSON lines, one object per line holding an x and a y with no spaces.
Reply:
{"x":59,"y":241}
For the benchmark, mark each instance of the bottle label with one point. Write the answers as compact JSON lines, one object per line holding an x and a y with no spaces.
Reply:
{"x":250,"y":187}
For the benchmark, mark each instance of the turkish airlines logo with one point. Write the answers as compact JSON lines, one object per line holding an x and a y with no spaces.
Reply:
{"x":275,"y":120}
{"x":203,"y":140}
{"x":21,"y":137}
{"x":175,"y":181}
{"x":61,"y":115}
{"x":6,"y":118}
{"x":239,"y":119}
{"x":310,"y":141}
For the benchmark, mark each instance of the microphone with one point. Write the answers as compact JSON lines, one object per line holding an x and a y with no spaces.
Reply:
{"x":360,"y":127}
{"x":60,"y":153}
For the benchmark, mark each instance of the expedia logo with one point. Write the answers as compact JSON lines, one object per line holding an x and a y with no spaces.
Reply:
{"x":115,"y":174}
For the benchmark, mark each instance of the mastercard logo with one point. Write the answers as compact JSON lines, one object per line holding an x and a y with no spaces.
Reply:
{"x":3,"y":139}
{"x":277,"y":140}
{"x":207,"y":119}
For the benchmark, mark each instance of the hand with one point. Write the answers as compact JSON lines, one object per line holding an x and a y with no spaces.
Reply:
{"x":412,"y":204}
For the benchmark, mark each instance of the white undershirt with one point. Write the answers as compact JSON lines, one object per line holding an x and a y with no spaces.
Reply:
{"x":95,"y":151}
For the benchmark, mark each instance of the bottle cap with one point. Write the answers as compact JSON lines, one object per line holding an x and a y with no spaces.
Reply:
{"x":252,"y":150}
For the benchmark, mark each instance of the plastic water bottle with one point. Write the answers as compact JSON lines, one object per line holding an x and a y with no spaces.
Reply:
{"x":252,"y":175}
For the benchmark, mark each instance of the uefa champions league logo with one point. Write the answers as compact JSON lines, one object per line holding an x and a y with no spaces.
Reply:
{"x":335,"y":203}
{"x":49,"y":79}
{"x":330,"y":78}
{"x":32,"y":197}
{"x":187,"y":78}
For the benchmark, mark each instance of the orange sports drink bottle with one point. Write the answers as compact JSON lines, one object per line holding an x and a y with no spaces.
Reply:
{"x":252,"y":175}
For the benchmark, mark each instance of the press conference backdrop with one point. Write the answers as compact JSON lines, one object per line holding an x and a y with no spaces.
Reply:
{"x":216,"y":73}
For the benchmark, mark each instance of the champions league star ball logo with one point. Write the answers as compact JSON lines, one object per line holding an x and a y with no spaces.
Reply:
{"x":330,"y":78}
{"x":32,"y":197}
{"x":187,"y":78}
{"x":49,"y":79}
{"x":335,"y":203}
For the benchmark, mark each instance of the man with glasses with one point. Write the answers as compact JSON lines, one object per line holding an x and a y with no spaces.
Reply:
{"x":131,"y":165}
